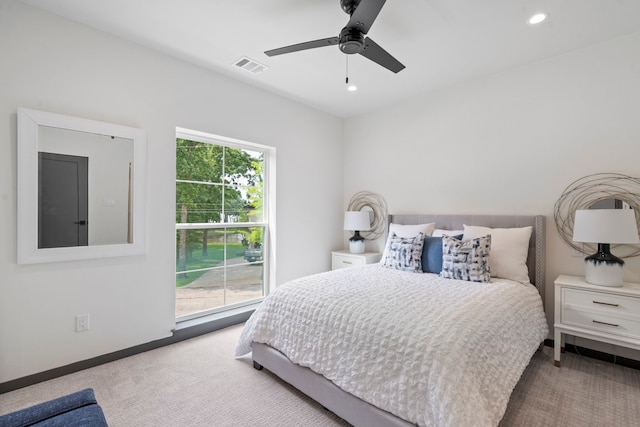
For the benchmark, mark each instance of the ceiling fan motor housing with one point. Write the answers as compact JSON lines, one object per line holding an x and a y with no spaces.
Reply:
{"x":351,"y":41}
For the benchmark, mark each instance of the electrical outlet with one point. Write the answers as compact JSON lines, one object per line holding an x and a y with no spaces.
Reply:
{"x":82,"y":322}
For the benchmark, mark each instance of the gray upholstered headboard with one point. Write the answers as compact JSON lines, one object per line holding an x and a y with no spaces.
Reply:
{"x":536,"y":258}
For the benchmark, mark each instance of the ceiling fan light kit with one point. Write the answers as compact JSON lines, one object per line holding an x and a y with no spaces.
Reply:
{"x":352,"y":38}
{"x":538,"y":18}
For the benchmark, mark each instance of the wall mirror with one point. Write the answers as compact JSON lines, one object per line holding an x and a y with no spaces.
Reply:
{"x":81,"y":188}
{"x":598,"y":191}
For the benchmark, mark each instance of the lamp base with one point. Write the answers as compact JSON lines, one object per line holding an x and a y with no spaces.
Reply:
{"x":603,"y":268}
{"x":356,"y":244}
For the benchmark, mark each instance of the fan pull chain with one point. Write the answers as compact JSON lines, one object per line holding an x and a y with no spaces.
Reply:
{"x":350,"y":88}
{"x":347,"y":79}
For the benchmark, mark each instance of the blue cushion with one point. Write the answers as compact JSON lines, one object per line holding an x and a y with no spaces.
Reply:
{"x":76,"y":409}
{"x":432,"y":254}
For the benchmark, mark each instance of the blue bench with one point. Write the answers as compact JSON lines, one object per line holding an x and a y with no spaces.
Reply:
{"x":75,"y":410}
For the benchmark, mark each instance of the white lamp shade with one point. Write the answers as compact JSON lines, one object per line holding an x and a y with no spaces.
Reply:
{"x":605,"y":226}
{"x":357,"y":220}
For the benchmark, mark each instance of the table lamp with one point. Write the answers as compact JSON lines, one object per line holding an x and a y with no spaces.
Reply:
{"x":605,"y":227}
{"x":356,"y":221}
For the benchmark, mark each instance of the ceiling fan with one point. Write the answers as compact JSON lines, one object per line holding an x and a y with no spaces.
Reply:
{"x":352,"y":38}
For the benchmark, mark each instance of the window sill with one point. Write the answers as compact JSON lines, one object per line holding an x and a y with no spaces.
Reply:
{"x":212,"y":322}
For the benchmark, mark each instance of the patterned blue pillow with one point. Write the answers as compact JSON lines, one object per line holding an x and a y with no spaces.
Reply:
{"x":405,"y":253}
{"x":432,"y":254}
{"x":466,"y":260}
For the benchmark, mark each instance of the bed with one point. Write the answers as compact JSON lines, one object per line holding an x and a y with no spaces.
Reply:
{"x":380,"y":346}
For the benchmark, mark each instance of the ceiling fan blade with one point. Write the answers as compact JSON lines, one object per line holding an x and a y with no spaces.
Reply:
{"x":367,"y":11}
{"x":380,"y":56}
{"x":303,"y":46}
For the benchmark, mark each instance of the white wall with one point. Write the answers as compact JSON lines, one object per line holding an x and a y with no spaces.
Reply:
{"x":52,"y":64}
{"x":509,"y":143}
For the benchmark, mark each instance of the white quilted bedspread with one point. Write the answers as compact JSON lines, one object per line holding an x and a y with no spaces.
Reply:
{"x":433,"y":351}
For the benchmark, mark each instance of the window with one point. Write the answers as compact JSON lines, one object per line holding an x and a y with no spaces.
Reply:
{"x":222,"y":227}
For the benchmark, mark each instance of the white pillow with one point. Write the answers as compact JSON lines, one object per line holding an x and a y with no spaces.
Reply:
{"x":401,"y":230}
{"x":509,"y":250}
{"x":439,"y":232}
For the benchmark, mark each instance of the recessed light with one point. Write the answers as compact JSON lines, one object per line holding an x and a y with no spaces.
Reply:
{"x":352,"y":88}
{"x":538,"y":18}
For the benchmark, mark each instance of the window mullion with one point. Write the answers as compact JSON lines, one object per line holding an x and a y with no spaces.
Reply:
{"x":217,"y":225}
{"x":224,"y":186}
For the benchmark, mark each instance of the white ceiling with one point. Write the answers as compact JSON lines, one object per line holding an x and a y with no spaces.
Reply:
{"x":441,"y":42}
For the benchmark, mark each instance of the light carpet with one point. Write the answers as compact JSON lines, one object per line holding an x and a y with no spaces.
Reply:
{"x":199,"y":383}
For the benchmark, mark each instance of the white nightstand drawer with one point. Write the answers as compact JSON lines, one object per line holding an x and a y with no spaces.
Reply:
{"x":345,"y":259}
{"x":601,"y":322}
{"x":344,"y":262}
{"x":600,"y":301}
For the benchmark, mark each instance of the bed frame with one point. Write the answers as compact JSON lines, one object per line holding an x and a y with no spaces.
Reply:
{"x":355,"y":410}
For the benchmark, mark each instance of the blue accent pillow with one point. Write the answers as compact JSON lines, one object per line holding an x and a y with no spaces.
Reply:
{"x":432,"y":254}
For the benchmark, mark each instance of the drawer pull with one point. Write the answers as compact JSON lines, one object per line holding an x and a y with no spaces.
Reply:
{"x":606,"y":303}
{"x":605,"y":323}
{"x":347,"y":262}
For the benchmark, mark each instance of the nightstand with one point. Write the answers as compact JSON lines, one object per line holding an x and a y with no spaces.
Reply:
{"x":344,"y":259}
{"x":600,"y":313}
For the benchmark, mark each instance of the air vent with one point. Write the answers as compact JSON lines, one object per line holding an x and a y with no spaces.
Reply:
{"x":250,"y":65}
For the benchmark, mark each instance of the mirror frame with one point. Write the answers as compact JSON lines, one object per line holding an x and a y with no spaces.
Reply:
{"x":27,"y":207}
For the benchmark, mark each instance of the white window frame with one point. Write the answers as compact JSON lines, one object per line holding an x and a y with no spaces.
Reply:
{"x":268,"y":216}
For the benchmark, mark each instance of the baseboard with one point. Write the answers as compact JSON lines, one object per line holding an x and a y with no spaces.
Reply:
{"x":596,"y":354}
{"x":179,"y":334}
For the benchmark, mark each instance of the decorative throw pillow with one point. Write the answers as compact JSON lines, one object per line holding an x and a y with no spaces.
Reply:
{"x":466,"y":260}
{"x":406,"y":230}
{"x":509,"y":250}
{"x":432,"y":254}
{"x":405,"y":253}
